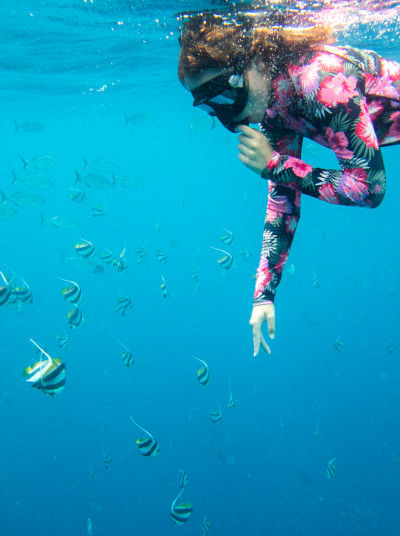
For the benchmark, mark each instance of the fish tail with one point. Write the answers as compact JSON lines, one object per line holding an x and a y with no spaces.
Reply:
{"x":24,"y":162}
{"x":15,"y":179}
{"x":78,"y":177}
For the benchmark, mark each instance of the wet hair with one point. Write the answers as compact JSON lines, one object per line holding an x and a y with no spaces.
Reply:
{"x":210,"y":41}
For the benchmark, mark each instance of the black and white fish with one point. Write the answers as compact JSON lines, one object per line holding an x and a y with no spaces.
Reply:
{"x":62,"y":340}
{"x":147,"y":446}
{"x":107,"y":460}
{"x":48,"y":374}
{"x":216,"y":415}
{"x":140,"y":254}
{"x":228,"y":237}
{"x":180,"y":513}
{"x":205,"y":526}
{"x":5,"y":290}
{"x":72,"y":293}
{"x":106,"y":256}
{"x":85,"y":248}
{"x":203,"y":374}
{"x":182,"y":479}
{"x":75,"y":317}
{"x":126,"y":355}
{"x":226,"y":261}
{"x":162,"y":256}
{"x":77,"y":196}
{"x":123,"y":304}
{"x":163,"y":287}
{"x":331,"y":468}
{"x":195,"y":277}
{"x":120,"y":262}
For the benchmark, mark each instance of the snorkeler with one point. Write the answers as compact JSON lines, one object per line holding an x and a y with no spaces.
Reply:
{"x":287,"y":76}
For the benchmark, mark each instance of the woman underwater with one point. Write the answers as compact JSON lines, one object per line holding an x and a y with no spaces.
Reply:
{"x":295,"y":83}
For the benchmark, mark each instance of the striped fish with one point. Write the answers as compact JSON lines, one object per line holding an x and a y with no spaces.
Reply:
{"x":226,"y":260}
{"x":182,"y":479}
{"x":85,"y":248}
{"x":331,"y":468}
{"x":147,"y":446}
{"x":62,"y":340}
{"x":162,"y":256}
{"x":180,"y":513}
{"x":140,"y":254}
{"x":75,"y":317}
{"x":126,"y":355}
{"x":205,"y":526}
{"x":123,"y":304}
{"x":120,"y":262}
{"x":107,"y":256}
{"x":216,"y":415}
{"x":47,"y":375}
{"x":106,"y":459}
{"x":163,"y":287}
{"x":203,"y":375}
{"x":4,"y":290}
{"x":98,"y":211}
{"x":228,"y":237}
{"x":195,"y":277}
{"x":72,"y":293}
{"x":23,"y":292}
{"x":77,"y":196}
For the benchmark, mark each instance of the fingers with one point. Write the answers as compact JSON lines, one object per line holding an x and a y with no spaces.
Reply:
{"x":265,"y":345}
{"x":247,"y":131}
{"x":247,"y":151}
{"x":256,"y":338}
{"x":271,"y":325}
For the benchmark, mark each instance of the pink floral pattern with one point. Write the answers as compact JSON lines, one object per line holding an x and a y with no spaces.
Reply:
{"x":337,"y":97}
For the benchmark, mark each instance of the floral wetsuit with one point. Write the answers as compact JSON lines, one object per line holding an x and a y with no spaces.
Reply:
{"x":340,"y":97}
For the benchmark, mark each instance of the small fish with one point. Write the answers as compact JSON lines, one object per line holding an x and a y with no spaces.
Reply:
{"x":77,"y":196}
{"x":123,"y":304}
{"x":26,"y":200}
{"x":131,"y":181}
{"x":290,"y":269}
{"x":203,"y":375}
{"x":5,"y":290}
{"x":120,"y":262}
{"x":140,"y":254}
{"x":228,"y":237}
{"x":174,"y":242}
{"x":205,"y":526}
{"x":137,"y":119}
{"x":85,"y":248}
{"x":89,"y":527}
{"x":98,"y":211}
{"x":216,"y":415}
{"x":231,"y":402}
{"x":162,"y":256}
{"x":331,"y":468}
{"x":195,"y":277}
{"x":226,"y":260}
{"x":75,"y":317}
{"x":245,"y":253}
{"x":102,"y":165}
{"x":180,"y":513}
{"x":81,"y":263}
{"x":28,"y":126}
{"x":182,"y":479}
{"x":147,"y":446}
{"x":390,"y":347}
{"x":60,"y":222}
{"x":42,"y":161}
{"x":317,"y":432}
{"x":106,"y":256}
{"x":95,"y":180}
{"x":106,"y":459}
{"x":33,"y":179}
{"x":314,"y":280}
{"x":47,"y":375}
{"x":126,"y":355}
{"x":62,"y":340}
{"x":22,"y":292}
{"x":338,"y":344}
{"x":72,"y":293}
{"x":6,"y":210}
{"x":163,"y":287}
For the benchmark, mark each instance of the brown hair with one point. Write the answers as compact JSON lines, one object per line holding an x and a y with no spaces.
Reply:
{"x":210,"y":42}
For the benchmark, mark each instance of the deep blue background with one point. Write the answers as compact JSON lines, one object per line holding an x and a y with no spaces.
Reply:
{"x":262,"y":469}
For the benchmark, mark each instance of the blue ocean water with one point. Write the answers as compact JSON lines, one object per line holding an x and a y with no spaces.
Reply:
{"x":95,"y":82}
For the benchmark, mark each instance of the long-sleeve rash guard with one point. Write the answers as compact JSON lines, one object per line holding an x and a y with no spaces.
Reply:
{"x":342,"y":98}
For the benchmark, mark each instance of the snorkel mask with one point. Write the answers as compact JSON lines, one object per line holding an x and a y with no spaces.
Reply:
{"x":224,"y":97}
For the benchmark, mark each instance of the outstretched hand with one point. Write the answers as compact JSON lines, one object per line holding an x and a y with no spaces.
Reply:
{"x":260,"y":314}
{"x":255,"y":150}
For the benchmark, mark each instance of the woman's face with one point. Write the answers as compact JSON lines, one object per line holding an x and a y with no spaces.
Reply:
{"x":258,"y":83}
